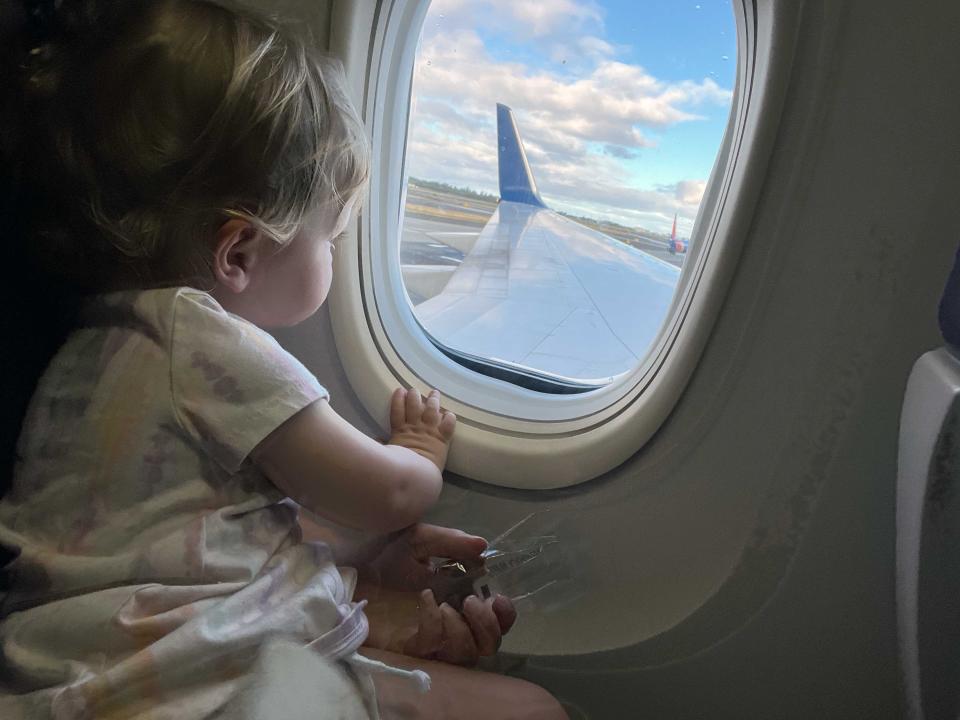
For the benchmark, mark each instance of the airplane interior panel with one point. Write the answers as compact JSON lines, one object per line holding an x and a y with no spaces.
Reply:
{"x":758,"y":534}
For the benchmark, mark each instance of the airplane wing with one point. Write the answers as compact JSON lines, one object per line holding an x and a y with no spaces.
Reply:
{"x":543,"y":292}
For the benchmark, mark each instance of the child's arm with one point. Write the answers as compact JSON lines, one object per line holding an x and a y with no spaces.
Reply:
{"x":331,"y":468}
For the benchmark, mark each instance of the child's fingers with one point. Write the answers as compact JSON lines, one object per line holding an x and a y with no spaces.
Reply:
{"x":505,"y":612}
{"x":459,"y":647}
{"x":414,"y":406}
{"x":428,"y":639}
{"x":483,"y":624}
{"x":447,"y":423}
{"x":397,"y":412}
{"x":431,"y":409}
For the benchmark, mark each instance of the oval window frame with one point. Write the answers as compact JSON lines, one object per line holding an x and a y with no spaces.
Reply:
{"x":541,"y":441}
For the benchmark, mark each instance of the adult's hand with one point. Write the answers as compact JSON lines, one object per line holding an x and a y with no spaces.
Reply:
{"x":404,"y":562}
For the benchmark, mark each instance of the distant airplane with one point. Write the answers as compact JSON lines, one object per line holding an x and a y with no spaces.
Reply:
{"x":676,"y":245}
{"x":544,"y":295}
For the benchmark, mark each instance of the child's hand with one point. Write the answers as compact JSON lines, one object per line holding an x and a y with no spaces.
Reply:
{"x":421,"y":426}
{"x":446,"y":635}
{"x":414,"y":624}
{"x":405,"y":617}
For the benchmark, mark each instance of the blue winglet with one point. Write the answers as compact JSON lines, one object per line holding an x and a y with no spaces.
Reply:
{"x":516,"y":180}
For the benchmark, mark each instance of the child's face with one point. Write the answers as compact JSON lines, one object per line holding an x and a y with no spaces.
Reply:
{"x":294,"y":281}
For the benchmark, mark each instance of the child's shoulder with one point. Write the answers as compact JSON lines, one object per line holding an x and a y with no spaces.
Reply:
{"x":184,"y":302}
{"x":195,"y":316}
{"x":150,"y":303}
{"x":180,"y":324}
{"x":188,"y":304}
{"x":164,"y":311}
{"x":188,"y":329}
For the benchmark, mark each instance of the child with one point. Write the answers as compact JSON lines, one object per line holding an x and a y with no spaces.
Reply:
{"x":188,"y":167}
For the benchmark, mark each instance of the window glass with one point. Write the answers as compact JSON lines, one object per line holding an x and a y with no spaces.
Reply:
{"x":556,"y":159}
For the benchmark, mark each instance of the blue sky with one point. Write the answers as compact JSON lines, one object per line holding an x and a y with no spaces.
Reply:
{"x":621,"y":104}
{"x":674,"y":42}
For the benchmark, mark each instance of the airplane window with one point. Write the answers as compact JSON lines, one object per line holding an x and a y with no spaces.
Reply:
{"x":555,"y":163}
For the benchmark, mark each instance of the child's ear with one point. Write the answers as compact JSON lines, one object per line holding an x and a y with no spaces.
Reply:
{"x":236,"y":252}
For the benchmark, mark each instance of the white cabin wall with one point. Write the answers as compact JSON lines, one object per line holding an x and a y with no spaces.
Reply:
{"x":743,"y":560}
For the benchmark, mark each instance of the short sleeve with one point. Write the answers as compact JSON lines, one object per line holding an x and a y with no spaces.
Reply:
{"x":232,"y":383}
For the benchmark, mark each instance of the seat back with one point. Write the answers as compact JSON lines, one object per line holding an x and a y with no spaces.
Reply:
{"x":928,"y":524}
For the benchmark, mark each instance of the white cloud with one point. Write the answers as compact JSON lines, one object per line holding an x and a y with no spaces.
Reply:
{"x":579,"y":131}
{"x":690,"y":192}
{"x":535,"y":20}
{"x":542,"y":18}
{"x":595,"y":47}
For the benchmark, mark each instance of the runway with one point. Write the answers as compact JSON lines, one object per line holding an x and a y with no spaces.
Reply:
{"x":436,"y":223}
{"x":428,"y":240}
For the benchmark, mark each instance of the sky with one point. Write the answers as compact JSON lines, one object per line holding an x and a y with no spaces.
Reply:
{"x":621,"y":104}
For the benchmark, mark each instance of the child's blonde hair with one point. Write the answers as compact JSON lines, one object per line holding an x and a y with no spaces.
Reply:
{"x":151,"y":123}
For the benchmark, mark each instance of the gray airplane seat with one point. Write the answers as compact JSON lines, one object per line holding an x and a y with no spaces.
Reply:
{"x":928,"y":524}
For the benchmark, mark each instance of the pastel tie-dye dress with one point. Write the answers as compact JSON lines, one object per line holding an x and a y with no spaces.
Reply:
{"x":154,"y":563}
